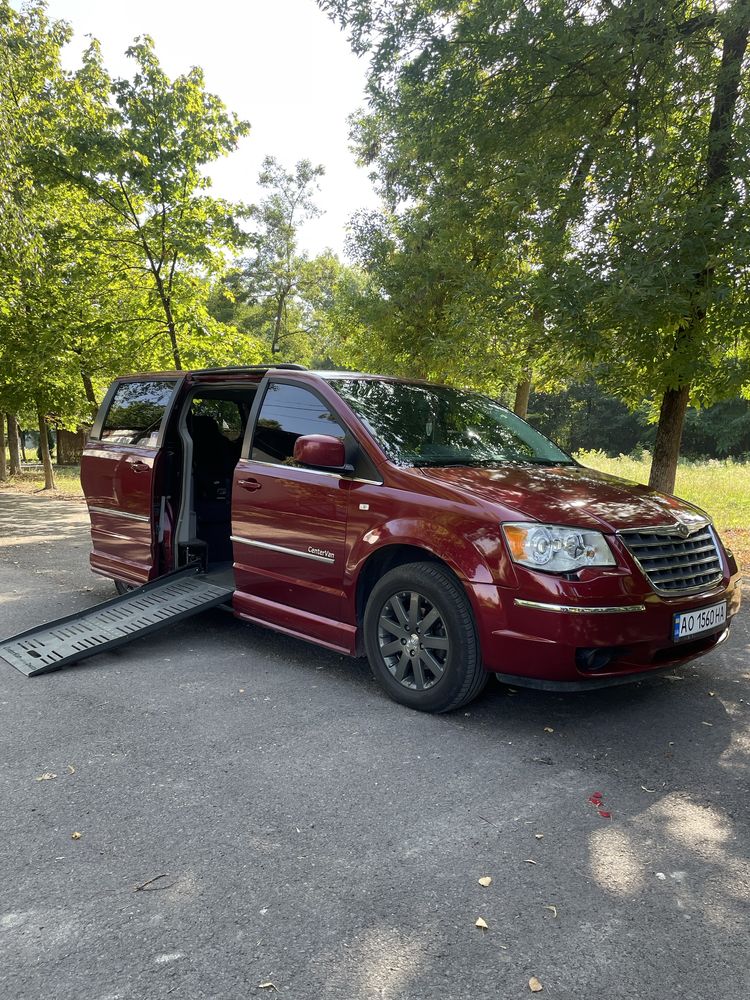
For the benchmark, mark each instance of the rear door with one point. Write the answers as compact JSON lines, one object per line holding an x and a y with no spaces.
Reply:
{"x":289,"y":521}
{"x":121,"y":472}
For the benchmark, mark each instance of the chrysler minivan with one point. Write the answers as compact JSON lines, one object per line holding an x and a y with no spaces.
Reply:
{"x":424,"y":526}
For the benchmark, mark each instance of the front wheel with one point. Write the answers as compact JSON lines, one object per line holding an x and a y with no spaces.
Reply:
{"x":421,"y":640}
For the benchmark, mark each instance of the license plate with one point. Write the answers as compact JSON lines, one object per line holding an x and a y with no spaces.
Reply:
{"x":686,"y":624}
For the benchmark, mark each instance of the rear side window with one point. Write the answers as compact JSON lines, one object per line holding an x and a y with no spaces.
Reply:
{"x":136,"y":413}
{"x":287,"y":413}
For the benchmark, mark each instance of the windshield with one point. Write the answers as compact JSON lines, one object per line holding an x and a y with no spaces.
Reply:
{"x":437,"y":425}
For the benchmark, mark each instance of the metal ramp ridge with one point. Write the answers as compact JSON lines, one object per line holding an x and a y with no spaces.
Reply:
{"x":153,"y":606}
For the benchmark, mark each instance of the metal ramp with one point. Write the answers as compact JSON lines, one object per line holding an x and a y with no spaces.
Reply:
{"x":157,"y":604}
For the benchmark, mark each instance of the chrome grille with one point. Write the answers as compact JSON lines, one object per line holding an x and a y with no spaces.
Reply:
{"x":674,"y":564}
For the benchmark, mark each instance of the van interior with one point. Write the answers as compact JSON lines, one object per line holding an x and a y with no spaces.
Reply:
{"x":206,"y":440}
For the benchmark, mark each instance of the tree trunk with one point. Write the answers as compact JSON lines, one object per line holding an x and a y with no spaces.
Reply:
{"x":88,"y":388}
{"x":3,"y":463}
{"x":21,"y":441}
{"x":521,"y":405}
{"x":668,"y":438}
{"x":175,"y":345}
{"x":15,"y":457}
{"x":70,"y":445}
{"x":49,"y":472}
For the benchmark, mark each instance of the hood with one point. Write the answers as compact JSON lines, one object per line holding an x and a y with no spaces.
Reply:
{"x":568,"y":495}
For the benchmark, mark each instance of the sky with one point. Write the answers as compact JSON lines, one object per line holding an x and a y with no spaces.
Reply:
{"x":280,"y":64}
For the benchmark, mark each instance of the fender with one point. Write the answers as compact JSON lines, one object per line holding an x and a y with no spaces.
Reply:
{"x":474,"y":550}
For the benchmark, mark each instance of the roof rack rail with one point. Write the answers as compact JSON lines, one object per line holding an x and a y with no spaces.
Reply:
{"x":287,"y":365}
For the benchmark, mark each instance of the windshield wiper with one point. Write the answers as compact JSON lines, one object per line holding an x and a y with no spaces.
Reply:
{"x":437,"y":462}
{"x":547,"y":461}
{"x":421,"y":463}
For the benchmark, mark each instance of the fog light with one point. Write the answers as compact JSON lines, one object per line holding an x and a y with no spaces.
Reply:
{"x":589,"y":659}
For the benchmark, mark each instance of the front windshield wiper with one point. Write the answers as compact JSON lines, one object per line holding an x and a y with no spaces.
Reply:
{"x":421,"y":463}
{"x":547,"y":461}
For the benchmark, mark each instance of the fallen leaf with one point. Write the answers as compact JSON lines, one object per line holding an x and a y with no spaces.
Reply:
{"x":538,"y":836}
{"x":485,"y":880}
{"x":604,"y":814}
{"x":268,"y":986}
{"x":548,"y":729}
{"x":75,"y":835}
{"x":552,"y":908}
{"x":47,"y":776}
{"x":481,"y":923}
{"x":529,"y":861}
{"x":71,"y":769}
{"x":534,"y":985}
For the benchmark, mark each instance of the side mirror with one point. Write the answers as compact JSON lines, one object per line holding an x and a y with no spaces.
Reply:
{"x":321,"y":451}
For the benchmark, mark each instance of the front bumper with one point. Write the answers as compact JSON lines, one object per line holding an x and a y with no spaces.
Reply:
{"x":548,"y":639}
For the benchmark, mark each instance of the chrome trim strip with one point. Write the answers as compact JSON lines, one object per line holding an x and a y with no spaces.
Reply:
{"x":282,"y":548}
{"x":674,"y":527}
{"x":573,"y":609}
{"x":120,"y":513}
{"x":316,"y":472}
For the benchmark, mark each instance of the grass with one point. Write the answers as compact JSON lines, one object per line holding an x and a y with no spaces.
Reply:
{"x":719,"y":486}
{"x":67,"y":478}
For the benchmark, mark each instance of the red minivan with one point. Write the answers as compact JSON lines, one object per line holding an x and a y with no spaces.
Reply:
{"x":425,"y":526}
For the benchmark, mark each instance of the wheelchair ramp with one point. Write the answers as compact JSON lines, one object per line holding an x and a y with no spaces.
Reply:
{"x":149,"y":608}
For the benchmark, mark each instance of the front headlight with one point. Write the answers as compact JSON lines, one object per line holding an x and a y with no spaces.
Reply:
{"x":554,"y":549}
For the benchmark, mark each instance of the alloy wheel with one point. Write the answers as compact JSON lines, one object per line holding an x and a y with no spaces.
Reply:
{"x":413,"y":640}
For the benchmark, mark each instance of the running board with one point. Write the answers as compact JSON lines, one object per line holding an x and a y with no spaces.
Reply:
{"x":157,"y":604}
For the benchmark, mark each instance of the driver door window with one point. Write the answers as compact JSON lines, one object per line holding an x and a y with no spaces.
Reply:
{"x":289,"y":412}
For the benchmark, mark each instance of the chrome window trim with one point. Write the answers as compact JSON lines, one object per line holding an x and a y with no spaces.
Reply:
{"x":120,"y":513}
{"x":574,"y":609}
{"x":316,"y":472}
{"x":284,"y":549}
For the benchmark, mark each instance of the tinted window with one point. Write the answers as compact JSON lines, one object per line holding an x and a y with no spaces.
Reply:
{"x":437,"y":425}
{"x":225,"y":413}
{"x":136,"y":412}
{"x":287,"y":413}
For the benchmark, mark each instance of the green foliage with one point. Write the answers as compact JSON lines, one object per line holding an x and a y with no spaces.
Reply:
{"x":278,"y":294}
{"x":137,"y":147}
{"x":593,"y":158}
{"x":585,"y":417}
{"x":110,"y":241}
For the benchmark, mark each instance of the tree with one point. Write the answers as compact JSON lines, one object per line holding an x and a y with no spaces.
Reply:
{"x":275,"y":285}
{"x":615,"y":135}
{"x":139,"y":148}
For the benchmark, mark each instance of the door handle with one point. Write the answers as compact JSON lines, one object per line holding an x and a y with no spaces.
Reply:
{"x":137,"y":465}
{"x":251,"y":485}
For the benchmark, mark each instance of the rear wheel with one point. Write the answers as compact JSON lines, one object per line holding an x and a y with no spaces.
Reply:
{"x":421,"y":640}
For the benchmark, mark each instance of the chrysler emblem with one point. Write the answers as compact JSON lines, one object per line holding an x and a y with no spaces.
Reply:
{"x":682,"y":530}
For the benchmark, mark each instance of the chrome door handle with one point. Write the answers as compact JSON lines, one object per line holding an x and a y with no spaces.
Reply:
{"x":251,"y":485}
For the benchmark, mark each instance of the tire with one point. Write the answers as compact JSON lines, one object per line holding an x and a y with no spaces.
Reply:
{"x":416,"y":602}
{"x":124,"y":588}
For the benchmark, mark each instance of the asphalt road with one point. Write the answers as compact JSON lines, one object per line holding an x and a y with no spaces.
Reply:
{"x":307,"y":832}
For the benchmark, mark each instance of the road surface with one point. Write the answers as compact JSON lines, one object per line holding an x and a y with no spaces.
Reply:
{"x":303,"y":831}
